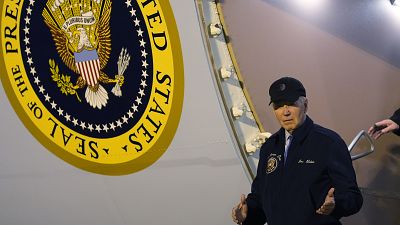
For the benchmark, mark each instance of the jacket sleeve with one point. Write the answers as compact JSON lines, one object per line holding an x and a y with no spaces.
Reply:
{"x":396,"y":118}
{"x":348,"y":198}
{"x":255,"y":215}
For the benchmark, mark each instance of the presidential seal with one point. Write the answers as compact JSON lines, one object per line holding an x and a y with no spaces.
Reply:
{"x":98,"y":82}
{"x":272,"y":163}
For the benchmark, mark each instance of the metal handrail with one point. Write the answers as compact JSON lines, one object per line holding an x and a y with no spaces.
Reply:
{"x":357,"y":139}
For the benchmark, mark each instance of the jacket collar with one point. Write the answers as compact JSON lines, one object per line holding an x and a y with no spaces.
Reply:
{"x":300,"y":133}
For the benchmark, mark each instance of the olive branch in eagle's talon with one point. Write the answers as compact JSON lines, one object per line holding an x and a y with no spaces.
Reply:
{"x":63,"y":81}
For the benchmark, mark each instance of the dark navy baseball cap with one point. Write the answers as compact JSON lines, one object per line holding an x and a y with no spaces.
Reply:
{"x":286,"y":90}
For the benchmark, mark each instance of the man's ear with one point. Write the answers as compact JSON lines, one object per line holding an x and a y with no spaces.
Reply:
{"x":305,"y":105}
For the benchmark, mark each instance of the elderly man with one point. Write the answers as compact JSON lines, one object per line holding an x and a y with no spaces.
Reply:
{"x":305,"y":174}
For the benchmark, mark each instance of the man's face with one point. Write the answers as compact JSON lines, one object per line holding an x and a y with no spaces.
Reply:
{"x":291,"y":115}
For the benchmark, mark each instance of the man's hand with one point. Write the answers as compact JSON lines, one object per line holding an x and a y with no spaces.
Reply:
{"x":239,"y":212}
{"x":386,"y":127}
{"x":329,"y":204}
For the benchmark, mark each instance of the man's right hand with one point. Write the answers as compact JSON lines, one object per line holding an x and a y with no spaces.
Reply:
{"x":239,"y":212}
{"x":386,"y":127}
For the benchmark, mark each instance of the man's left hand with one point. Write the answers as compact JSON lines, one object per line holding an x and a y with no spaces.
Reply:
{"x":329,"y":204}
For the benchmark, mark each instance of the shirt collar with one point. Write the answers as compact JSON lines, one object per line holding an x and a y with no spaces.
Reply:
{"x":287,"y":135}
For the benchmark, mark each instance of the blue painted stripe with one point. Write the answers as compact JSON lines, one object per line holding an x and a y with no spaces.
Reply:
{"x":85,"y":55}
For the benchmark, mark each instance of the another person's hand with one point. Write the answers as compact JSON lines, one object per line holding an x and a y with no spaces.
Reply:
{"x":329,"y":205}
{"x":388,"y":126}
{"x":239,"y":212}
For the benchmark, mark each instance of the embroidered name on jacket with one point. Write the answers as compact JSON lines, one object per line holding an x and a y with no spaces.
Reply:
{"x":308,"y":161}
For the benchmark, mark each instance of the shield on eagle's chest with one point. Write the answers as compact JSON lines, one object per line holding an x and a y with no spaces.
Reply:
{"x":88,"y":65}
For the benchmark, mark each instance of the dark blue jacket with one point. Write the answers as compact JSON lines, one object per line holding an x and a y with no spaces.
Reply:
{"x":396,"y":118}
{"x":289,"y":194}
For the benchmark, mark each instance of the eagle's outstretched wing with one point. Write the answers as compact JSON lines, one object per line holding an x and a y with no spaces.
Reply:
{"x":104,"y":35}
{"x":61,"y":42}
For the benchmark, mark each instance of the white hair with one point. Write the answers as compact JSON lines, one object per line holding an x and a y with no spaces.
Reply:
{"x":302,"y":102}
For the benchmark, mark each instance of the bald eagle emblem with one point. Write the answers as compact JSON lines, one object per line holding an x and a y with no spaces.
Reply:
{"x":82,"y":37}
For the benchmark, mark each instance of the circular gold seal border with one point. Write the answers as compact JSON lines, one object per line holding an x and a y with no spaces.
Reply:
{"x":151,"y":155}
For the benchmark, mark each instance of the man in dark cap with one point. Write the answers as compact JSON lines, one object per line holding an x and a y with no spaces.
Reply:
{"x":305,"y":174}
